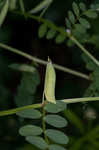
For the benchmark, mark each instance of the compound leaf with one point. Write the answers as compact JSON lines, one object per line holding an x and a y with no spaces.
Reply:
{"x":27,"y":88}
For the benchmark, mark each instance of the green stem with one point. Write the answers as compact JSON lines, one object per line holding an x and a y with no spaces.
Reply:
{"x":22,"y":6}
{"x":68,"y":101}
{"x":51,"y":25}
{"x":84,"y":50}
{"x":64,"y":69}
{"x":44,"y":126}
{"x":78,"y":100}
{"x":13,"y":111}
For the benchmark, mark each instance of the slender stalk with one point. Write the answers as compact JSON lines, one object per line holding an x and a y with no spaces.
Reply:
{"x":22,"y":6}
{"x":84,"y":50}
{"x":13,"y":111}
{"x":68,"y":101}
{"x":78,"y":100}
{"x":51,"y":25}
{"x":73,"y":72}
{"x":64,"y":69}
{"x":44,"y":126}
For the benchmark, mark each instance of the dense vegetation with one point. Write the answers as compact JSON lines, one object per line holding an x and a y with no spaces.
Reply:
{"x":32,"y":33}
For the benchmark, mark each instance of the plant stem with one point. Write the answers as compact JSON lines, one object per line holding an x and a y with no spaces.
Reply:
{"x":13,"y":111}
{"x":44,"y":126}
{"x":64,"y":69}
{"x":53,"y":26}
{"x":84,"y":50}
{"x":78,"y":100}
{"x":68,"y":101}
{"x":22,"y":6}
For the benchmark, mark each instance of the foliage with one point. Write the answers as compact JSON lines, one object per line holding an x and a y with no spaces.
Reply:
{"x":27,"y":88}
{"x":47,"y":128}
{"x":35,"y":135}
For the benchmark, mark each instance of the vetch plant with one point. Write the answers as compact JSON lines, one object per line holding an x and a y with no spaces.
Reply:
{"x":42,"y":136}
{"x":49,"y":134}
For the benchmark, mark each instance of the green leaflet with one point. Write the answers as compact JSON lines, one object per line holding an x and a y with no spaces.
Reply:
{"x":23,"y":67}
{"x":21,"y":3}
{"x":91,"y":14}
{"x":42,"y":30}
{"x":37,"y":141}
{"x":30,"y":130}
{"x":51,"y":34}
{"x":29,"y":114}
{"x":71,"y":17}
{"x":4,"y":11}
{"x":50,"y":79}
{"x":12,"y":4}
{"x":82,"y":6}
{"x":75,"y":9}
{"x":57,"y":136}
{"x":42,"y":5}
{"x":56,"y":147}
{"x":55,"y":108}
{"x":55,"y":121}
